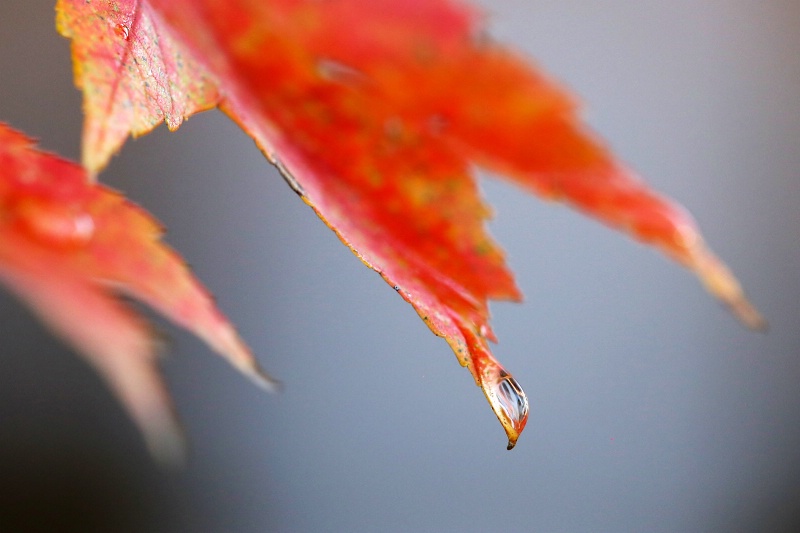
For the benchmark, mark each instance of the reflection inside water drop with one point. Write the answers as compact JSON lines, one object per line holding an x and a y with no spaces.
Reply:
{"x":512,"y":399}
{"x":509,"y":403}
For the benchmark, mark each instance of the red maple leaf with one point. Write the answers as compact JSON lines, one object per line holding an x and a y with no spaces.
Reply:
{"x":67,"y":246}
{"x":376,"y":112}
{"x":133,"y":80}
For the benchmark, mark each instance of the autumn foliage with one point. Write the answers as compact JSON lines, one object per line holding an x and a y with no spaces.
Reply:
{"x":378,"y":128}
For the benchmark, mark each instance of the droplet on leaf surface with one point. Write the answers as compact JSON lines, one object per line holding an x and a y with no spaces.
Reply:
{"x":59,"y":224}
{"x":122,"y":31}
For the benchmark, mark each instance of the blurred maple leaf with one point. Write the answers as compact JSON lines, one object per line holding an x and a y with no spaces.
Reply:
{"x":375,"y":112}
{"x":67,"y":245}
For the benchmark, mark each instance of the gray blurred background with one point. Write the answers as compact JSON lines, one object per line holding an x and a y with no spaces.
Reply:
{"x":652,"y":409}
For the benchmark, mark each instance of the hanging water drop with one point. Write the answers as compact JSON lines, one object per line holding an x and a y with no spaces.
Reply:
{"x":514,"y":403}
{"x":507,"y":399}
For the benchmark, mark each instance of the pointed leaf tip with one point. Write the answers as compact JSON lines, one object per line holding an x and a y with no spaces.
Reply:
{"x":720,"y":282}
{"x":507,"y":399}
{"x":133,"y":74}
{"x":263,"y":380}
{"x":68,"y":275}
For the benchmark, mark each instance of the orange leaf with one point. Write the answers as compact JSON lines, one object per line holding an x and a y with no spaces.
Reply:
{"x":133,"y":75}
{"x":66,"y":244}
{"x":376,"y":111}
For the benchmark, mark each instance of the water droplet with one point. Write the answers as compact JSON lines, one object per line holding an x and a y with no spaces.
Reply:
{"x":508,"y":401}
{"x":512,"y":399}
{"x":122,"y":31}
{"x":333,"y":70}
{"x":63,"y":225}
